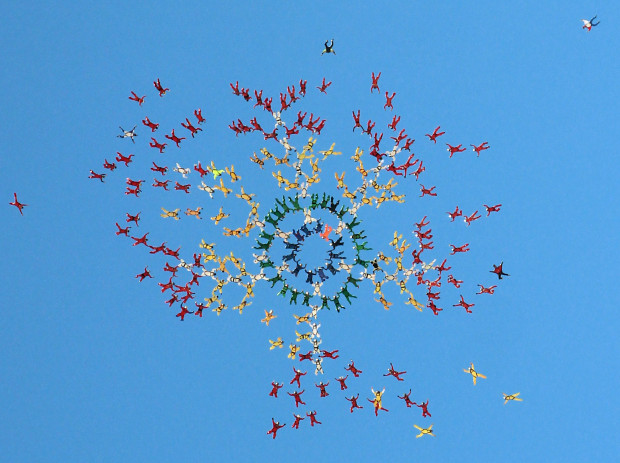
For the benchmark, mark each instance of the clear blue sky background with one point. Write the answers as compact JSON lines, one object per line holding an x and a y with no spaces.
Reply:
{"x":95,"y":367}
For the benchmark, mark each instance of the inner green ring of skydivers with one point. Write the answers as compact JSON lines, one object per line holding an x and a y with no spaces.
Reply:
{"x":326,"y":202}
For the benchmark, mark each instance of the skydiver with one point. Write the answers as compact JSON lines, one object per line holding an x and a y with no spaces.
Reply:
{"x":435,"y":134}
{"x":322,"y":89}
{"x":156,"y":249}
{"x":174,"y":138}
{"x":155,"y":144}
{"x":492,"y":208}
{"x":318,"y":365}
{"x":313,"y":419}
{"x":121,"y":231}
{"x":133,"y":191}
{"x":160,"y":169}
{"x":302,"y":87}
{"x":427,"y":191}
{"x":395,"y":121}
{"x":275,"y":426}
{"x":431,"y":305}
{"x":353,"y":401}
{"x":455,"y":249}
{"x":407,"y":400}
{"x":376,"y":401}
{"x":342,"y":380}
{"x":298,"y":418}
{"x":457,"y":212}
{"x":322,"y":387}
{"x":144,"y":274}
{"x":162,"y":91}
{"x":375,"y":82}
{"x":442,"y":267}
{"x":163,"y":185}
{"x":97,"y":176}
{"x":489,"y":290}
{"x":133,"y":218}
{"x":297,"y":396}
{"x":330,"y":48}
{"x":128,"y":133}
{"x":475,"y":375}
{"x":321,"y":274}
{"x":179,"y":187}
{"x":589,"y":24}
{"x":419,"y":170}
{"x":424,"y":431}
{"x":184,"y":171}
{"x":19,"y":205}
{"x":188,"y":125}
{"x":183,"y":312}
{"x":454,"y":149}
{"x":498,"y":270}
{"x":136,"y":98}
{"x":481,"y":147}
{"x":470,"y":218}
{"x":424,"y":407}
{"x":464,"y":304}
{"x":220,"y":215}
{"x":194,"y":212}
{"x":277,"y":343}
{"x":394,"y":373}
{"x":141,"y":240}
{"x":150,"y":124}
{"x":388,"y":100}
{"x":508,"y":397}
{"x":198,"y":114}
{"x":268,"y":317}
{"x":298,"y":375}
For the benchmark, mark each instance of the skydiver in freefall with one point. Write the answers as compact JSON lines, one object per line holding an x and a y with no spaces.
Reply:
{"x":329,"y":48}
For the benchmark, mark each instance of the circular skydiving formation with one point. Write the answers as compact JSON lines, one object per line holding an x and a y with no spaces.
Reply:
{"x":310,"y":248}
{"x":319,"y":280}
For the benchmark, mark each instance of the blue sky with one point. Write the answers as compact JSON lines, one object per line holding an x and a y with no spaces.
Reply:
{"x":95,"y":366}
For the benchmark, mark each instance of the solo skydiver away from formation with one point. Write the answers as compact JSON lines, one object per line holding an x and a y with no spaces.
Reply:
{"x":589,"y":24}
{"x":329,"y":48}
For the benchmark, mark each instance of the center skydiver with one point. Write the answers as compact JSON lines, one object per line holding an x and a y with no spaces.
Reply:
{"x":424,"y":431}
{"x":298,"y":375}
{"x":352,"y":369}
{"x":297,"y":396}
{"x":341,"y":380}
{"x":353,"y":401}
{"x":377,"y":401}
{"x":322,"y":386}
{"x":329,"y":48}
{"x":128,"y":133}
{"x":588,"y":24}
{"x":474,"y":373}
{"x":498,"y":270}
{"x":407,"y":400}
